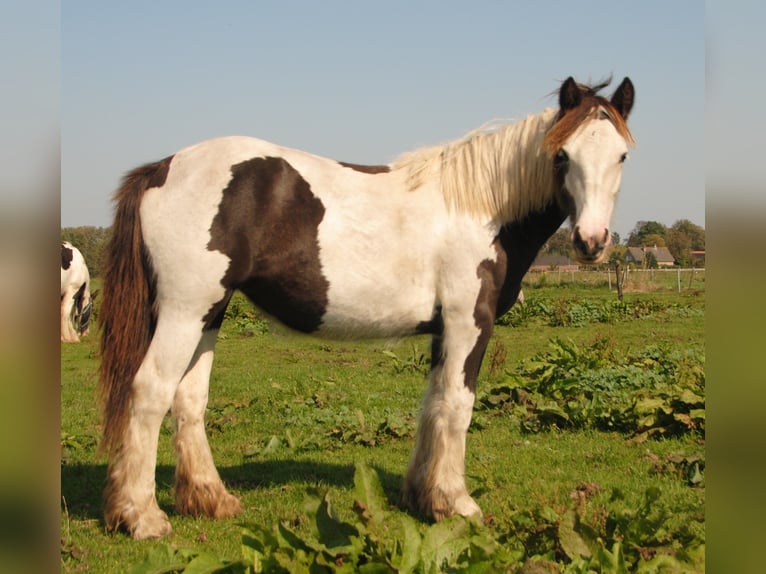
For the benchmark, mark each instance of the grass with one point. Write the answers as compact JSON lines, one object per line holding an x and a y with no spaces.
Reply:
{"x":289,"y":413}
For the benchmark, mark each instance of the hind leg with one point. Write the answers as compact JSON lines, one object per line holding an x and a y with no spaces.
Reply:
{"x":199,"y":489}
{"x":130,"y":500}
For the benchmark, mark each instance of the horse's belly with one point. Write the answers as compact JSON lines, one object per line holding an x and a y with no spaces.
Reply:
{"x":376,"y":312}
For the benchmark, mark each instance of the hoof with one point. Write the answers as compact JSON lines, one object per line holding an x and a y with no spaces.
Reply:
{"x":207,"y":500}
{"x":466,"y":506}
{"x":153,"y":527}
{"x":437,"y":504}
{"x":149,"y":524}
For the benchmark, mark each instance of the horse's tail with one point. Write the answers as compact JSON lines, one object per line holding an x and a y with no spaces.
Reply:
{"x":127,"y":314}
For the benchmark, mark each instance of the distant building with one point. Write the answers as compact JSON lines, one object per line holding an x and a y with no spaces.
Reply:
{"x":637,"y":256}
{"x":557,"y":262}
{"x":698,"y":258}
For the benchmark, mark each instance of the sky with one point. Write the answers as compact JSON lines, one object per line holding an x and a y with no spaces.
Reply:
{"x":365,"y":81}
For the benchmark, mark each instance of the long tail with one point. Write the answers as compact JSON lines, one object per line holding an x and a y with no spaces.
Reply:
{"x":127,"y":313}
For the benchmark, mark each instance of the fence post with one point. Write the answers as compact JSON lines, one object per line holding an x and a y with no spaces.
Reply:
{"x":679,"y":279}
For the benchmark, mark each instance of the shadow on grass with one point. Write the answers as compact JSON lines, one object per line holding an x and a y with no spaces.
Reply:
{"x":82,"y":485}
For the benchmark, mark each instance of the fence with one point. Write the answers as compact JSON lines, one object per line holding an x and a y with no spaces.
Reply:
{"x":674,"y":279}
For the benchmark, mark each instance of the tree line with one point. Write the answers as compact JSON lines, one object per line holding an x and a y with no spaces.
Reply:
{"x":680,"y":238}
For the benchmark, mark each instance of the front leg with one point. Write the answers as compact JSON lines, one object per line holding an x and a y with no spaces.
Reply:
{"x":435,"y":480}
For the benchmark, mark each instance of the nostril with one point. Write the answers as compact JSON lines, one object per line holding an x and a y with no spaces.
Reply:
{"x":591,"y":243}
{"x":577,"y":238}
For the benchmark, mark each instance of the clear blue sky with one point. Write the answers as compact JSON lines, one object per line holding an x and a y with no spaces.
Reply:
{"x":365,"y":81}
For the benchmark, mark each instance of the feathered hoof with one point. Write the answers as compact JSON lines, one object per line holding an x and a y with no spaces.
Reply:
{"x":437,"y":504}
{"x":207,"y":500}
{"x":156,"y":526}
{"x":465,"y":505}
{"x":152,"y":523}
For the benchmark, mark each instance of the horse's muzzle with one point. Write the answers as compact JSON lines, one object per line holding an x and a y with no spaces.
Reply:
{"x":590,"y":249}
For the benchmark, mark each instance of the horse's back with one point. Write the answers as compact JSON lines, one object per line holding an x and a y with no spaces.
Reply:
{"x":74,"y":271}
{"x":314,"y":241}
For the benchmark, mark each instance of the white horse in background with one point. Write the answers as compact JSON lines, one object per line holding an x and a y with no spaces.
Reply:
{"x":76,"y":303}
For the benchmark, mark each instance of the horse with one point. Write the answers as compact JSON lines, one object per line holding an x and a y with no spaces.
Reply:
{"x":434,"y":243}
{"x":76,"y":300}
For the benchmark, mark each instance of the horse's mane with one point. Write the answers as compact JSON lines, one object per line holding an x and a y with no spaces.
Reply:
{"x":505,"y":172}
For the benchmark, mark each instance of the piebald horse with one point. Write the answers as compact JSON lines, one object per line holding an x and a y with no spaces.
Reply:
{"x":76,"y":303}
{"x":436,"y":243}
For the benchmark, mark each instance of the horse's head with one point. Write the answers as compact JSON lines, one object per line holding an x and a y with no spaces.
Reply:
{"x":589,"y":143}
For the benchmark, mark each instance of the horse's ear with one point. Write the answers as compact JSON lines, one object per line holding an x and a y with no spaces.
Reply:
{"x":623,"y":97}
{"x":570,"y":95}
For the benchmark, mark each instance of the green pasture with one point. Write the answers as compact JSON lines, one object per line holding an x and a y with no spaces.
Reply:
{"x":586,"y":452}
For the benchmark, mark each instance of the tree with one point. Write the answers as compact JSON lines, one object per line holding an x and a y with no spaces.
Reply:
{"x":654,"y":240}
{"x":91,"y":241}
{"x":560,"y":243}
{"x":644,"y":229}
{"x":684,"y":237}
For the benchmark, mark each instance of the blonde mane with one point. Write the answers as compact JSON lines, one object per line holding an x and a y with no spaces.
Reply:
{"x":501,"y":174}
{"x":504,"y":173}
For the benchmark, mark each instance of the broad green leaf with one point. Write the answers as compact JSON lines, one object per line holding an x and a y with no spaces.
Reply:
{"x":289,"y":539}
{"x":332,"y":532}
{"x":411,"y":544}
{"x":649,"y":405}
{"x":369,"y":492}
{"x":272,"y":446}
{"x":571,"y":542}
{"x":374,"y":568}
{"x":691,"y":398}
{"x":553,"y":409}
{"x":697,"y":414}
{"x":205,"y":563}
{"x":444,"y":542}
{"x":159,"y":560}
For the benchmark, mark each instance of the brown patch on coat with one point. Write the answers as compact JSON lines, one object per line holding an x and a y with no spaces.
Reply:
{"x":126,"y":315}
{"x":521,"y":241}
{"x":370,"y":169}
{"x":268,"y":226}
{"x":491,"y":274}
{"x":66,"y":256}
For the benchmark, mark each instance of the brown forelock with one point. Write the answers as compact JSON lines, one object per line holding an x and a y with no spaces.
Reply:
{"x":127,"y":316}
{"x":573,"y":119}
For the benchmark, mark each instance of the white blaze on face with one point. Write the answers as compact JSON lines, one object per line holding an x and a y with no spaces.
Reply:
{"x":596,"y":153}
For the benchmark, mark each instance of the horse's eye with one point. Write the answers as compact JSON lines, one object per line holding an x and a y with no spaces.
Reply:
{"x":561,"y":158}
{"x":623,"y":157}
